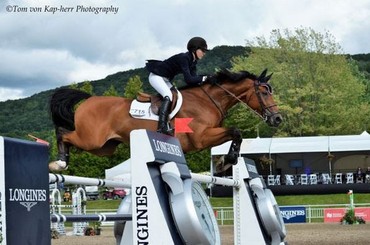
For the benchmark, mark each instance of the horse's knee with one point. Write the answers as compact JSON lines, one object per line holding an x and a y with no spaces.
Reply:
{"x":235,"y":134}
{"x":237,"y":138}
{"x":231,"y":158}
{"x":232,"y":155}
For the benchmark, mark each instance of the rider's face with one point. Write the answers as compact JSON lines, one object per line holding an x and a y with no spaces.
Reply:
{"x":200,"y":53}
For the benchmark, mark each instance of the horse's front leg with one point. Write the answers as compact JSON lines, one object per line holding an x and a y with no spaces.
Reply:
{"x":63,"y":153}
{"x":232,"y":155}
{"x":216,"y":136}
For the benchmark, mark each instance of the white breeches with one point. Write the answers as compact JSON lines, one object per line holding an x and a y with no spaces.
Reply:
{"x":161,"y":84}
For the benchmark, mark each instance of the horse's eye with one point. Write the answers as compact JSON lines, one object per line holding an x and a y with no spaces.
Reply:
{"x":268,"y":88}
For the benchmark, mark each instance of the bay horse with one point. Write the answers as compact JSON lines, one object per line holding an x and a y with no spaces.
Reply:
{"x":100,"y":123}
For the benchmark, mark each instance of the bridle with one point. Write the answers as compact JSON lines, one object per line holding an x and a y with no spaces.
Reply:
{"x":266,"y":112}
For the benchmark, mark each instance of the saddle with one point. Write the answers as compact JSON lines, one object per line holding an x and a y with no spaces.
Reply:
{"x":156,"y":100}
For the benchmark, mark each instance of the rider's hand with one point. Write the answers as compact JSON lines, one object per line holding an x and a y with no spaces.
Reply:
{"x":211,"y":79}
{"x":204,"y":79}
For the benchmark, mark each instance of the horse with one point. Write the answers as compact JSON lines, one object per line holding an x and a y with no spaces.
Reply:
{"x":97,"y":124}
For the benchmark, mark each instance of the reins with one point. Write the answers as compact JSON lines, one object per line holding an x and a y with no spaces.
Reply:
{"x":264,"y":108}
{"x":242,"y":102}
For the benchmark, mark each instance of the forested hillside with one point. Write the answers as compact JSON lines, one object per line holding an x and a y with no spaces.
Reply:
{"x":30,"y":115}
{"x":304,"y":98}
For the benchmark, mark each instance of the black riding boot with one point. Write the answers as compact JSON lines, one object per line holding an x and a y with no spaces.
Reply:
{"x":164,"y":110}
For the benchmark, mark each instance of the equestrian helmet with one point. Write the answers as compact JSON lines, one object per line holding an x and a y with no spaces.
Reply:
{"x":197,"y":43}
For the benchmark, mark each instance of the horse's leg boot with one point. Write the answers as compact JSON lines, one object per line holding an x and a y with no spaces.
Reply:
{"x":163,"y":126}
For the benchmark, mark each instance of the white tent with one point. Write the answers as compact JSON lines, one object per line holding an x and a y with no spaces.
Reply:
{"x":314,"y":150}
{"x":121,"y":171}
{"x":299,"y":144}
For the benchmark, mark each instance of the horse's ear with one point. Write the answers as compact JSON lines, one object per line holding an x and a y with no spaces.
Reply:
{"x":263,"y":74}
{"x":266,"y":79}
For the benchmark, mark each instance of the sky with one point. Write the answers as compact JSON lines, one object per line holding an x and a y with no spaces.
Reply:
{"x":45,"y":44}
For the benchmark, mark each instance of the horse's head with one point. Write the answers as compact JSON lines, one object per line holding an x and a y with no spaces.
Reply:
{"x":262,"y":100}
{"x":253,"y":91}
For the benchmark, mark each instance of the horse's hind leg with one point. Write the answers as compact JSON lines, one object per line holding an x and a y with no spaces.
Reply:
{"x":63,"y":152}
{"x":232,"y":155}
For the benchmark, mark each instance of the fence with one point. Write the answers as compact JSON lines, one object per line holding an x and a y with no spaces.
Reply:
{"x":225,"y":215}
{"x":314,"y":213}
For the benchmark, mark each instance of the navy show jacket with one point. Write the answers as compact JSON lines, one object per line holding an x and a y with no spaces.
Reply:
{"x":182,"y":63}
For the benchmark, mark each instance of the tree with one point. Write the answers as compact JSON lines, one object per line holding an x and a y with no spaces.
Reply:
{"x":133,"y":87}
{"x":111,"y":91}
{"x":87,"y":87}
{"x":318,"y":90}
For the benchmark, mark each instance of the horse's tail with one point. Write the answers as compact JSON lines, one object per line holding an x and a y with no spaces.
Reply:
{"x":62,"y":106}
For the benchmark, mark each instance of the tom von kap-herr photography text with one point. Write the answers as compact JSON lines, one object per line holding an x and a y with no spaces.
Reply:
{"x":14,"y":8}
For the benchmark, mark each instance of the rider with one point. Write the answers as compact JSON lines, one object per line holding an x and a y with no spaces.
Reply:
{"x":163,"y":72}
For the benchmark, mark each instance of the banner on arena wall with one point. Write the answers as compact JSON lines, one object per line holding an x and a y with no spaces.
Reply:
{"x":334,"y":215}
{"x":24,"y":192}
{"x":293,"y":214}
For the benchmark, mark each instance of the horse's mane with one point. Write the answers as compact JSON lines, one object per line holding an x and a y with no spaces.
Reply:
{"x":227,"y":75}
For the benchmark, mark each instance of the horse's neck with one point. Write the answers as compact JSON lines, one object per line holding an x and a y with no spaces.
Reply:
{"x":231,"y":93}
{"x":216,"y":97}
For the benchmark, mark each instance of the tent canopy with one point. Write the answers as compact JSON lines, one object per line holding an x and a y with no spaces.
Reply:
{"x":299,"y":144}
{"x":119,"y":171}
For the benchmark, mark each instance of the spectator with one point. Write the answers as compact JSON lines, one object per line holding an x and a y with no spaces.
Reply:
{"x":367,"y":175}
{"x":359,"y":175}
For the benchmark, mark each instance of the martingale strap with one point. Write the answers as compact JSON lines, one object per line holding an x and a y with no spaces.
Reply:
{"x":214,"y":102}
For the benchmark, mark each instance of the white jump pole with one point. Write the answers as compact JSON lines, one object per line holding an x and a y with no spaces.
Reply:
{"x":78,"y":198}
{"x":215,"y":180}
{"x":56,"y":208}
{"x":76,"y":180}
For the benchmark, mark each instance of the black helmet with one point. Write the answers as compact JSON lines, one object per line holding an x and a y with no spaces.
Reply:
{"x":197,"y":43}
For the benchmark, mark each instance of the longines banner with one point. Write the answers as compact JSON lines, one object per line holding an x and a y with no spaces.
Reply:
{"x":293,"y":214}
{"x":334,"y":215}
{"x":24,"y":192}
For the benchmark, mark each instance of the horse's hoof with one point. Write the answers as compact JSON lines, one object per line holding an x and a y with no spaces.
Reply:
{"x":58,"y":166}
{"x":167,"y":131}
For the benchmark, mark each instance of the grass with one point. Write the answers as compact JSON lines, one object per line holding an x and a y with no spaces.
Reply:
{"x":100,"y":204}
{"x":228,"y":202}
{"x":321,"y":199}
{"x":302,"y":200}
{"x":281,"y":200}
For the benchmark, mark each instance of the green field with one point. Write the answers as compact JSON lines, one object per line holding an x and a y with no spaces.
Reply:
{"x":228,"y":202}
{"x":281,"y":200}
{"x":303,"y":200}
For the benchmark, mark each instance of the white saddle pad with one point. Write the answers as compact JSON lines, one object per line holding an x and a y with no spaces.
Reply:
{"x":143,"y":110}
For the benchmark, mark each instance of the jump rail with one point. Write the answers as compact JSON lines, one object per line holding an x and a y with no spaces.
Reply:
{"x":215,"y":180}
{"x":89,"y":217}
{"x":75,"y":180}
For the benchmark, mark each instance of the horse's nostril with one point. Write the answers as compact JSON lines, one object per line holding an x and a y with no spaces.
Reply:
{"x":278,"y":119}
{"x":275,"y":120}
